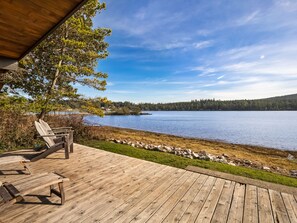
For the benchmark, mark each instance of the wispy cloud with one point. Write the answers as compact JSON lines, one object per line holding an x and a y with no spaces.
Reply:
{"x":247,"y":19}
{"x":203,"y":44}
{"x":121,"y":92}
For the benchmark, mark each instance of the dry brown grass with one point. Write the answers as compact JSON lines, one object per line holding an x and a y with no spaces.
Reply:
{"x":16,"y":130}
{"x":260,"y":155}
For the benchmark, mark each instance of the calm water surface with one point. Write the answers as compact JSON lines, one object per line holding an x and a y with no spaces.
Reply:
{"x":265,"y":128}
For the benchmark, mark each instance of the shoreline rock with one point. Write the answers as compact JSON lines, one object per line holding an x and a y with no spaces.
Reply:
{"x":203,"y":155}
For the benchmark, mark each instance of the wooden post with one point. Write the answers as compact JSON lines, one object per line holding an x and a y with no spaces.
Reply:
{"x":62,"y":193}
{"x":51,"y":189}
{"x":66,"y":139}
{"x":59,"y":193}
{"x":71,"y":141}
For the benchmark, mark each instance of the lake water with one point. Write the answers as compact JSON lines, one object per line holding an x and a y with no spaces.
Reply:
{"x":276,"y":129}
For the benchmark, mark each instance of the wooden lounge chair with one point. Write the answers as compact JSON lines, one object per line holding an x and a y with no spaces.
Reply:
{"x":58,"y":131}
{"x":53,"y":142}
{"x":11,"y":193}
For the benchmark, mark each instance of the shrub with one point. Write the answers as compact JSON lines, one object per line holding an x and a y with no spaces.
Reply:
{"x":16,"y":130}
{"x":72,"y":120}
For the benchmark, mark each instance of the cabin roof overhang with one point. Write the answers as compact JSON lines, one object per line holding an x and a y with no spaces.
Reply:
{"x":24,"y":24}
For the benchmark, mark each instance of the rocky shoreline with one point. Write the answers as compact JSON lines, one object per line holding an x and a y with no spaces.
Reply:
{"x":203,"y":155}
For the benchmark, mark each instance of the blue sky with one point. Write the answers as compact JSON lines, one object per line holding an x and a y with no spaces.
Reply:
{"x":167,"y":51}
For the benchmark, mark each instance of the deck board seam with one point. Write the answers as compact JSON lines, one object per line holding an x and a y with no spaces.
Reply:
{"x":170,"y":196}
{"x":206,"y":198}
{"x":181,"y":197}
{"x":258,"y":211}
{"x":231,"y":202}
{"x":244,"y":197}
{"x":218,"y":203}
{"x":272,"y":209}
{"x":161,"y":194}
{"x":286,"y":207}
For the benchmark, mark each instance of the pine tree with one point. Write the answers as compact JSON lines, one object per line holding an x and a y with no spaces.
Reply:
{"x":68,"y":56}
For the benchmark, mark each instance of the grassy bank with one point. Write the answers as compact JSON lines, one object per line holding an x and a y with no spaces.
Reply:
{"x":180,"y":162}
{"x":273,"y":158}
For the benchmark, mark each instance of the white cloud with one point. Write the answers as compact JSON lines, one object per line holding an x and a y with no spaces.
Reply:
{"x":109,"y":83}
{"x":248,"y":19}
{"x":203,"y":44}
{"x":288,"y":5}
{"x":220,"y":77}
{"x":203,"y":32}
{"x":121,"y":92}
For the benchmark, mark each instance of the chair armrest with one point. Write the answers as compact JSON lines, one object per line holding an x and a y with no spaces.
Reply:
{"x":63,"y":177}
{"x":53,"y":135}
{"x":61,"y":128}
{"x":58,"y":131}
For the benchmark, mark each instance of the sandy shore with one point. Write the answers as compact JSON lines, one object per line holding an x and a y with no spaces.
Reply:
{"x":260,"y":156}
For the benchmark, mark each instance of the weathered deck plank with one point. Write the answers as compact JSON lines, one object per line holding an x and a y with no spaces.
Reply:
{"x":223,"y":205}
{"x":237,"y":204}
{"x":251,"y":205}
{"x":107,"y":187}
{"x":291,"y":206}
{"x":278,"y":207}
{"x":264,"y":206}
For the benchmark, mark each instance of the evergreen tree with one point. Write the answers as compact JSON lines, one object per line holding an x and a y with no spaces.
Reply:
{"x":68,"y":56}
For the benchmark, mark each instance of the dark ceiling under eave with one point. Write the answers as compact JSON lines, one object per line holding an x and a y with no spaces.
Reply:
{"x":25,"y":23}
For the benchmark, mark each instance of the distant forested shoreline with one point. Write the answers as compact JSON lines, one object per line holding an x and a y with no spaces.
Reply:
{"x":282,"y":103}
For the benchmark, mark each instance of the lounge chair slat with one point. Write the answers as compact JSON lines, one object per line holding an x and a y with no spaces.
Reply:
{"x":31,"y":182}
{"x":5,"y":194}
{"x":38,"y":183}
{"x":32,"y":177}
{"x":1,"y":200}
{"x":11,"y":189}
{"x":9,"y":193}
{"x":12,"y":159}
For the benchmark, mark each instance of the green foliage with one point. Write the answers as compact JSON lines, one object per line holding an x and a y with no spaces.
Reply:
{"x":67,"y":57}
{"x":93,"y":106}
{"x":180,"y":162}
{"x":13,"y":103}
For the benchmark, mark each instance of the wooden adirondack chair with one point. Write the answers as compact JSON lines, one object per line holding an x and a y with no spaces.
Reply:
{"x":53,"y":142}
{"x":58,"y":131}
{"x":11,"y":193}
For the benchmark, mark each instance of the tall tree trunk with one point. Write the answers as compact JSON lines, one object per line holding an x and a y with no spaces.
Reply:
{"x":1,"y":85}
{"x":54,"y":82}
{"x":2,"y":72}
{"x":49,"y":92}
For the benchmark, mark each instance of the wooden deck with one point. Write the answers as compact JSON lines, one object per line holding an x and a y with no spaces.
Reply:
{"x":106,"y":187}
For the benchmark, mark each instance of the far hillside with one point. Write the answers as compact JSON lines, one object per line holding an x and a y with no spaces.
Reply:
{"x":281,"y":103}
{"x":285,"y":97}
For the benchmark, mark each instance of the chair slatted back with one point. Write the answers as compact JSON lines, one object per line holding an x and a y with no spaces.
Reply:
{"x":46,"y":127}
{"x":49,"y":140}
